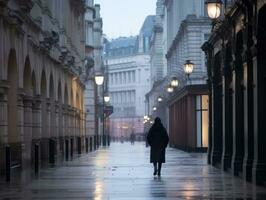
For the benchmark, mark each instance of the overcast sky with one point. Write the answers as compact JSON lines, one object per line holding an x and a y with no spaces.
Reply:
{"x":124,"y":17}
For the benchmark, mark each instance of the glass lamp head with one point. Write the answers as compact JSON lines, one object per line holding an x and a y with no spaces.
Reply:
{"x":99,"y":79}
{"x":174,"y":82}
{"x":188,"y":67}
{"x":170,"y":89}
{"x":160,"y":99}
{"x":214,"y":8}
{"x":106,"y":98}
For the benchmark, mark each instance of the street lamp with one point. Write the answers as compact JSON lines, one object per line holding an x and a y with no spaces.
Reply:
{"x":174,"y":82}
{"x":106,"y":98}
{"x":170,"y":89}
{"x":160,"y":99}
{"x":188,"y":67}
{"x":214,"y":8}
{"x":99,"y":79}
{"x":154,"y":108}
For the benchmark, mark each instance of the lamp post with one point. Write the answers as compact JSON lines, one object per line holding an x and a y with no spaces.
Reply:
{"x":99,"y":79}
{"x":188,"y":68}
{"x":106,"y":100}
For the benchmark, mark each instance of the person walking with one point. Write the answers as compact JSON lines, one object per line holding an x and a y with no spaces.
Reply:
{"x":158,"y":140}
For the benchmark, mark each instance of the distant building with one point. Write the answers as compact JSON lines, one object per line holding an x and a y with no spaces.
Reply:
{"x":180,"y":29}
{"x":129,"y":79}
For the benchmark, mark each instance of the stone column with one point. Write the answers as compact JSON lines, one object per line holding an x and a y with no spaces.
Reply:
{"x":248,"y":101}
{"x":19,"y":150}
{"x":259,"y":71}
{"x":217,"y":110}
{"x":36,"y":130}
{"x":56,"y":127}
{"x":238,"y":109}
{"x":227,"y":111}
{"x":3,"y":126}
{"x":27,"y":104}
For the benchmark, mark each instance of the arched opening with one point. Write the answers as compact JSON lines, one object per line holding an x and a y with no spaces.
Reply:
{"x":43,"y":85}
{"x":13,"y":135}
{"x":66,"y":96}
{"x":59,"y":89}
{"x":51,"y":87}
{"x":27,"y":81}
{"x":33,"y":81}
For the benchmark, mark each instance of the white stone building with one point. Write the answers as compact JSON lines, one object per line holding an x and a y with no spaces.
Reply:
{"x":94,"y":52}
{"x":129,"y":79}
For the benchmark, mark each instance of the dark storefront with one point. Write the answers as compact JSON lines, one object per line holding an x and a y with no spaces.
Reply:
{"x":236,"y":57}
{"x":188,"y":121}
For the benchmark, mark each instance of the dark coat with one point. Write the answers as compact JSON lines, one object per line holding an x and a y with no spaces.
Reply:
{"x":158,"y":140}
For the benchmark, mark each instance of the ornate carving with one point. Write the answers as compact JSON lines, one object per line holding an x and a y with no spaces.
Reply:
{"x":49,"y":39}
{"x":26,"y":5}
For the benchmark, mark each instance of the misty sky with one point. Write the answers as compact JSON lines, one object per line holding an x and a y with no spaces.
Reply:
{"x":124,"y":17}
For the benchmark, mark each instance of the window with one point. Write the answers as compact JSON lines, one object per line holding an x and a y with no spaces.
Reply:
{"x":202,"y":102}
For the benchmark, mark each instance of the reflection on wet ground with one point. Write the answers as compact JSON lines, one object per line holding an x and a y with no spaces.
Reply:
{"x":123,"y":171}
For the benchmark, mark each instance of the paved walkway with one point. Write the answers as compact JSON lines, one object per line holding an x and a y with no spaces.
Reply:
{"x":123,"y":172}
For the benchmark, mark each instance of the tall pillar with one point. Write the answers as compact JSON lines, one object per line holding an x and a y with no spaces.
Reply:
{"x":27,"y":104}
{"x":248,"y":102}
{"x":3,"y":126}
{"x":227,"y":112}
{"x":259,"y":79}
{"x":18,"y":151}
{"x":238,"y":109}
{"x":36,"y":130}
{"x":217,"y":110}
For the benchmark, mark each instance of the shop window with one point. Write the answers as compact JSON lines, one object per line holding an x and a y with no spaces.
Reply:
{"x":202,"y":120}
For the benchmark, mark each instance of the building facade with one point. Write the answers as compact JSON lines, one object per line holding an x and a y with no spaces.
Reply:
{"x":181,"y":29}
{"x":94,"y":63}
{"x":42,"y":48}
{"x":236,"y":69}
{"x":129,"y":72}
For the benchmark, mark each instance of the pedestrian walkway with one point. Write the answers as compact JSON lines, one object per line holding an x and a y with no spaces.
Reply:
{"x":123,"y":171}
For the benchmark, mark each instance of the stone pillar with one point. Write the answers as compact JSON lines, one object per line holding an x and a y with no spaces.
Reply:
{"x":227,"y":112}
{"x":27,"y":104}
{"x":238,"y":109}
{"x":248,"y":101}
{"x":217,"y":110}
{"x":36,"y":130}
{"x":259,"y":79}
{"x":18,"y":151}
{"x":3,"y":126}
{"x":56,"y":127}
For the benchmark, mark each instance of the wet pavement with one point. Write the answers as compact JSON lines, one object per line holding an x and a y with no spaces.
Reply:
{"x":123,"y":171}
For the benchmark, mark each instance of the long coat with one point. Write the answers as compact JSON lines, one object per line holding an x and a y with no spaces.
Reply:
{"x":158,"y":140}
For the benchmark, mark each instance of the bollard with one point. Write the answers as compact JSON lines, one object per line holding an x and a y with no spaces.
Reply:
{"x":67,"y":149}
{"x":8,"y":163}
{"x":71,"y":147}
{"x":95,"y":142}
{"x":91,"y":144}
{"x":87,"y":145}
{"x":51,"y":151}
{"x":36,"y":158}
{"x":79,"y":145}
{"x":108,"y":140}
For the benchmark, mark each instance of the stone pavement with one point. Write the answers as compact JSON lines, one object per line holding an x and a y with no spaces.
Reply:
{"x":123,"y":171}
